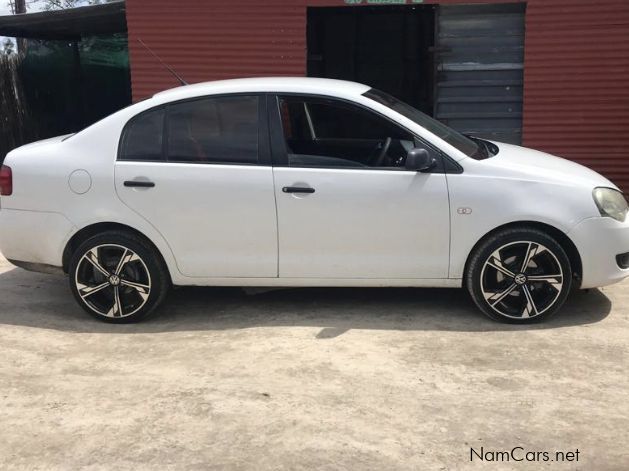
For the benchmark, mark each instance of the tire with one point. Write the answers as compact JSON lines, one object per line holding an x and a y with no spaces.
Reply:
{"x":509,"y":290}
{"x":118,"y":277}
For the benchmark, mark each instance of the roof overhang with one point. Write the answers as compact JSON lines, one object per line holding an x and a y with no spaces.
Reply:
{"x":70,"y":24}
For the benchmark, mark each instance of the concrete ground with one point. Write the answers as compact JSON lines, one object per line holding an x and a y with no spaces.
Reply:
{"x":308,"y":379}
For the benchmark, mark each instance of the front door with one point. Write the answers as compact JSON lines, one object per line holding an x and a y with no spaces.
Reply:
{"x":199,"y":172}
{"x":347,"y":208}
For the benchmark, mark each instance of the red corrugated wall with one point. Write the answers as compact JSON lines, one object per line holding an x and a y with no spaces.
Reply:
{"x":576,"y":73}
{"x":210,"y":40}
{"x":576,"y":83}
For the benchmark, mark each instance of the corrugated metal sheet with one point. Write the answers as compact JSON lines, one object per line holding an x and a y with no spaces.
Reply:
{"x":210,"y":40}
{"x":576,"y":73}
{"x":576,"y":67}
{"x":480,"y":70}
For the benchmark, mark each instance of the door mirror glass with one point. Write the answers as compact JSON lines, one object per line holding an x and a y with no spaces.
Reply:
{"x":420,"y":160}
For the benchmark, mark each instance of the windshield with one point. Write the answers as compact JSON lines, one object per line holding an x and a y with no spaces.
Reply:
{"x":466,"y":145}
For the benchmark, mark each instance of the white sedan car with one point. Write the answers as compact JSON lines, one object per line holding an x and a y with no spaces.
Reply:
{"x":305,"y":182}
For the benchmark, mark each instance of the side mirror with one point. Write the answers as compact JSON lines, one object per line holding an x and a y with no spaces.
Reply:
{"x":419,"y":160}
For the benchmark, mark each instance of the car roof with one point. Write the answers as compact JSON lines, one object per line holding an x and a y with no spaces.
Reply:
{"x":306,"y":85}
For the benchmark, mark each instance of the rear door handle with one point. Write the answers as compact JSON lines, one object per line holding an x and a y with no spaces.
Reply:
{"x":297,"y":189}
{"x":139,"y":184}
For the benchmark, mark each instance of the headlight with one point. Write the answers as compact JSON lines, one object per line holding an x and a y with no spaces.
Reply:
{"x":611,"y":203}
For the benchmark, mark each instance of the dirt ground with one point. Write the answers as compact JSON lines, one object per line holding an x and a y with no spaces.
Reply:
{"x":308,"y":379}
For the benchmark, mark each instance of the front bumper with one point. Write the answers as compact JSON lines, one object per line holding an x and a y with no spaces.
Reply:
{"x":599,"y":241}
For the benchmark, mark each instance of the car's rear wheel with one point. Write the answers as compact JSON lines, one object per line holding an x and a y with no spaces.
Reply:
{"x":519,"y":276}
{"x":118,"y":277}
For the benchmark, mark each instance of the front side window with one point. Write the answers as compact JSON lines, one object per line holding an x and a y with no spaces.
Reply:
{"x":142,"y":138}
{"x":468,"y":146}
{"x":214,"y":130}
{"x":329,"y":133}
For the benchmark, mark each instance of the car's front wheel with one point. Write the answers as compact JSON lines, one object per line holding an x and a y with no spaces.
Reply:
{"x":118,"y":277}
{"x":519,"y":276}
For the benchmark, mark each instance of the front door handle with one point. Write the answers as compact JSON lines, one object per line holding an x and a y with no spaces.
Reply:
{"x":139,"y":184}
{"x":297,"y":189}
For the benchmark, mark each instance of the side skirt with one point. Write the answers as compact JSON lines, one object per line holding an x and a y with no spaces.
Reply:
{"x":322,"y":282}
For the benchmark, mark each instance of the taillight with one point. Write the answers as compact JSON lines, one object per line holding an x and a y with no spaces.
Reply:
{"x":6,"y":181}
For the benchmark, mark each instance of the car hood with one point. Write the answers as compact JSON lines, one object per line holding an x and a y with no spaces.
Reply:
{"x":525,"y":163}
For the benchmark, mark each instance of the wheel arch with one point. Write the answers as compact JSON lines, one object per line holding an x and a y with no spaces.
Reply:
{"x":98,"y":228}
{"x":561,"y":237}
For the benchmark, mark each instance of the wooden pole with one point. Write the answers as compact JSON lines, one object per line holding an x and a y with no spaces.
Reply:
{"x":20,"y":7}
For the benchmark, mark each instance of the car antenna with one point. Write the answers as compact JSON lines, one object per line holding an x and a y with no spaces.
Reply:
{"x":166,"y":66}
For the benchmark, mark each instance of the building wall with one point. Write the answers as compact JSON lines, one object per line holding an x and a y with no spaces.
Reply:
{"x":576,"y":83}
{"x":576,"y":77}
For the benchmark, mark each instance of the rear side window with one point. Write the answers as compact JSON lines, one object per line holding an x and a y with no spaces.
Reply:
{"x":143,"y":137}
{"x":220,"y":130}
{"x":214,"y":130}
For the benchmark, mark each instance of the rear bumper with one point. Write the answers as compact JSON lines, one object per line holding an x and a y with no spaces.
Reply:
{"x":34,"y":238}
{"x":599,"y":241}
{"x":38,"y":267}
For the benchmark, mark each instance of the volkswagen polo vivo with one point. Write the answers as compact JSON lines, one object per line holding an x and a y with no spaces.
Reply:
{"x":305,"y":182}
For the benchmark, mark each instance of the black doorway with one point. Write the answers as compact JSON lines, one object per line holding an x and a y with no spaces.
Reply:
{"x":387,"y":47}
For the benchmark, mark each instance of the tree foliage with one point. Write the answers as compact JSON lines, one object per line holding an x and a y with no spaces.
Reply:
{"x":65,"y":4}
{"x":48,"y":5}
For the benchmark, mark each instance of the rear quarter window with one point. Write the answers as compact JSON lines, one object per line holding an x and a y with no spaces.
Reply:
{"x":142,"y":138}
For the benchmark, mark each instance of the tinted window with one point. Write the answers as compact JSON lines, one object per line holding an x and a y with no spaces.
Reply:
{"x":216,"y":130}
{"x":143,"y":137}
{"x":452,"y":137}
{"x":329,"y":133}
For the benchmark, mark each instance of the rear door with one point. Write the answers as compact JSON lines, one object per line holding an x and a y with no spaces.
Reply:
{"x":199,"y":171}
{"x":347,"y":207}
